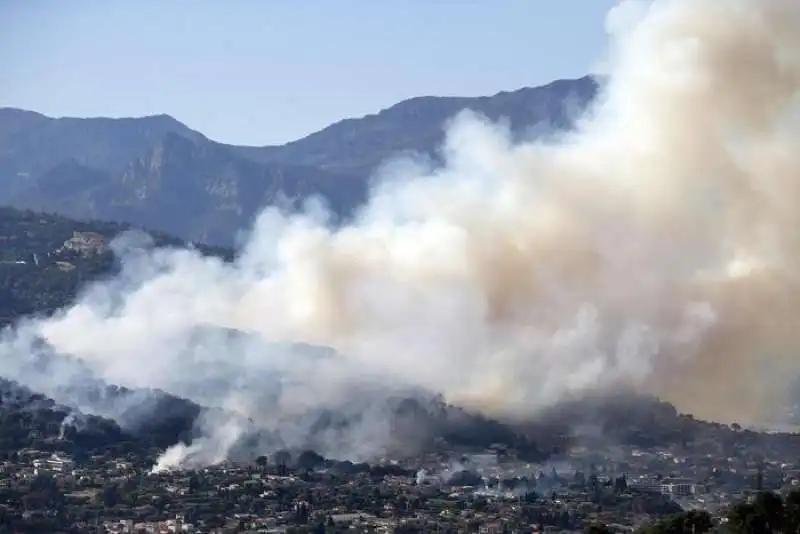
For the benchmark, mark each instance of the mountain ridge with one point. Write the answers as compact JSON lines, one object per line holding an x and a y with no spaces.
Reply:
{"x":158,"y":172}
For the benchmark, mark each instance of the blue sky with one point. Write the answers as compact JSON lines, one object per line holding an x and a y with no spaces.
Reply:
{"x":269,"y":71}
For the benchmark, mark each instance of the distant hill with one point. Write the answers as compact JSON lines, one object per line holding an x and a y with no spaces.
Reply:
{"x":197,"y":190}
{"x":155,"y":171}
{"x":30,"y":420}
{"x":39,"y":274}
{"x":44,"y":259}
{"x":359,"y":146}
{"x":31,"y":143}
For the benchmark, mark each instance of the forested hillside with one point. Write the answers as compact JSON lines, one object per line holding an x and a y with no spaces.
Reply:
{"x":45,"y":258}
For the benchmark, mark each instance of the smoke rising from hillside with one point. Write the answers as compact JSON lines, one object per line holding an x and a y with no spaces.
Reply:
{"x":656,"y":247}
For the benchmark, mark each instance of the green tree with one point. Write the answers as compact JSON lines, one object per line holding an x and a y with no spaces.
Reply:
{"x":791,"y":512}
{"x":597,"y":528}
{"x":111,"y":495}
{"x":770,"y":505}
{"x":690,"y":522}
{"x":746,"y":518}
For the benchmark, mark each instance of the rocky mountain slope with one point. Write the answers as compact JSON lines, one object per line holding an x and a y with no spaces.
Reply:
{"x":359,"y":146}
{"x":157,"y":172}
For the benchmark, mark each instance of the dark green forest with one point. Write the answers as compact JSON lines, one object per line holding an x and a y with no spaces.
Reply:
{"x":766,"y":513}
{"x":38,"y":275}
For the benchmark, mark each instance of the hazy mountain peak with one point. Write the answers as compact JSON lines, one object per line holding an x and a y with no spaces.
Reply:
{"x":155,"y":171}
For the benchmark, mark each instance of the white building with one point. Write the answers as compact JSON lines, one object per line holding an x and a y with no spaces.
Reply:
{"x":678,"y":487}
{"x":56,"y":463}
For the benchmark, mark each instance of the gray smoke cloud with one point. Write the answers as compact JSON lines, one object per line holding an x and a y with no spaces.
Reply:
{"x":654,"y":247}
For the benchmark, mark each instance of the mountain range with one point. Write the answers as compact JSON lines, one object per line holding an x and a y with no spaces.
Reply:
{"x":156,"y":172}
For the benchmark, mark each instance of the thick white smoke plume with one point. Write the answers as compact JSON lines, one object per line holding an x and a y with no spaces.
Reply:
{"x":656,"y":246}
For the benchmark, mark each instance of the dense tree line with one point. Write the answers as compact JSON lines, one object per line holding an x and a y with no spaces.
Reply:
{"x":766,"y":513}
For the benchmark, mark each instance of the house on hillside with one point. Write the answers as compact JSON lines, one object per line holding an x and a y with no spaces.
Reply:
{"x":86,"y":243}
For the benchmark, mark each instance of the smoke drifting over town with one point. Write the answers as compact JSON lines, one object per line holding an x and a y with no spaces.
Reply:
{"x":654,"y":247}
